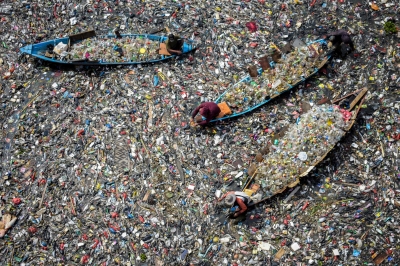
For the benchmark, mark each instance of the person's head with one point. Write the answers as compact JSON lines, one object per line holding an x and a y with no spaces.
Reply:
{"x":171,"y":37}
{"x":230,"y":200}
{"x":346,"y":39}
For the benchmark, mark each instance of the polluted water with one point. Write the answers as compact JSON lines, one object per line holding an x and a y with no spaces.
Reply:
{"x":100,"y":165}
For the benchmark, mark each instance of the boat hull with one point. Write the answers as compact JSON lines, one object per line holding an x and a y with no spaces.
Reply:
{"x":356,"y":106}
{"x":36,"y":49}
{"x":260,"y":71}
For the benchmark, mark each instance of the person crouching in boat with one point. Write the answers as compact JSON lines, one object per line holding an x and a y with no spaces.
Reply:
{"x":338,"y":38}
{"x":174,"y":45}
{"x":237,"y":198}
{"x":208,"y":111}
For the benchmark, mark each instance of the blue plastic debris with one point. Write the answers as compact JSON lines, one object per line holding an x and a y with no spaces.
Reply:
{"x":155,"y":80}
{"x":356,"y":253}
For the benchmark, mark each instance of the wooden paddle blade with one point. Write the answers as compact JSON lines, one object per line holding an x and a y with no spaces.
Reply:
{"x":264,"y":62}
{"x":252,"y":71}
{"x":82,"y":36}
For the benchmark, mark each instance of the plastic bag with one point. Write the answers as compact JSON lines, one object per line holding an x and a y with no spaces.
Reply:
{"x":60,"y":48}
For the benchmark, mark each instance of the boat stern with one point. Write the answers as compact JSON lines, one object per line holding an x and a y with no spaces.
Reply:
{"x":26,"y":49}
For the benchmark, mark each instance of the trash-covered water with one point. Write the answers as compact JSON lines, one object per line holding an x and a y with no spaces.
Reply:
{"x":100,"y":166}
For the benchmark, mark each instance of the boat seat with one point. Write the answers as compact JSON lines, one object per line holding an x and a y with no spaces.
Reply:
{"x":225,"y":110}
{"x":163,"y":49}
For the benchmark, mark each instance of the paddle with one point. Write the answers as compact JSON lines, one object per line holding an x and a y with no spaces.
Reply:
{"x":158,"y":30}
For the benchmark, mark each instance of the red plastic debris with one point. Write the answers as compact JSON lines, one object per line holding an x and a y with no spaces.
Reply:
{"x":32,"y":229}
{"x":96,"y":243}
{"x":305,"y":206}
{"x":141,"y":219}
{"x":80,"y":132}
{"x":16,"y":201}
{"x":252,"y":26}
{"x":124,"y":195}
{"x":85,"y":259}
{"x":253,"y":44}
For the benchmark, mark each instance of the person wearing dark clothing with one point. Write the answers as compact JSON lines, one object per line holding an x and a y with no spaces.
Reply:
{"x":341,"y":37}
{"x":174,"y":44}
{"x":208,"y":112}
{"x":118,"y":34}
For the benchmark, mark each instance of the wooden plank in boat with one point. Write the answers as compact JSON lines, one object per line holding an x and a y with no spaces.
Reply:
{"x":357,"y":99}
{"x":82,"y":36}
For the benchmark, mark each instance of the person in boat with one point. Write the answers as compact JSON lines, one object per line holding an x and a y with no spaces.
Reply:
{"x":117,"y":32}
{"x":208,"y":111}
{"x":237,"y":198}
{"x":174,"y":44}
{"x":341,"y":37}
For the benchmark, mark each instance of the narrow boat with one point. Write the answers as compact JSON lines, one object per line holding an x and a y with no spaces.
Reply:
{"x":291,"y":69}
{"x":295,"y":151}
{"x":88,"y":49}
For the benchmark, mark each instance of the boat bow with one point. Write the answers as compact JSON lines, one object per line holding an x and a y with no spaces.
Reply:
{"x":26,"y":49}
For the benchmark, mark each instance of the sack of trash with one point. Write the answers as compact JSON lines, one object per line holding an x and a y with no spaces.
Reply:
{"x":60,"y":48}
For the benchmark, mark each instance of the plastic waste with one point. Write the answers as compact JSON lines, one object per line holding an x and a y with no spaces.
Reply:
{"x":99,"y":165}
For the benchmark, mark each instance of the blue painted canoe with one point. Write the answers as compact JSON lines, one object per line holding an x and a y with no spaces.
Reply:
{"x":39,"y":50}
{"x":248,"y":80}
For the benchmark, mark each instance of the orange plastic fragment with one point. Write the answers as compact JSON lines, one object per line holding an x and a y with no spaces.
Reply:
{"x":225,"y":110}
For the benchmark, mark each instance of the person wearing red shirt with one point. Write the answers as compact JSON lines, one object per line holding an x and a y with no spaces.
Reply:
{"x":237,"y":197}
{"x":208,"y":112}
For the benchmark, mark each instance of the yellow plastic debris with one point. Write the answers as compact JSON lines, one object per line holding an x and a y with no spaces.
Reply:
{"x":249,"y":192}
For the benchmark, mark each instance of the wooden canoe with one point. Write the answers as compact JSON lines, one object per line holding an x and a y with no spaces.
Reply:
{"x":354,"y":106}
